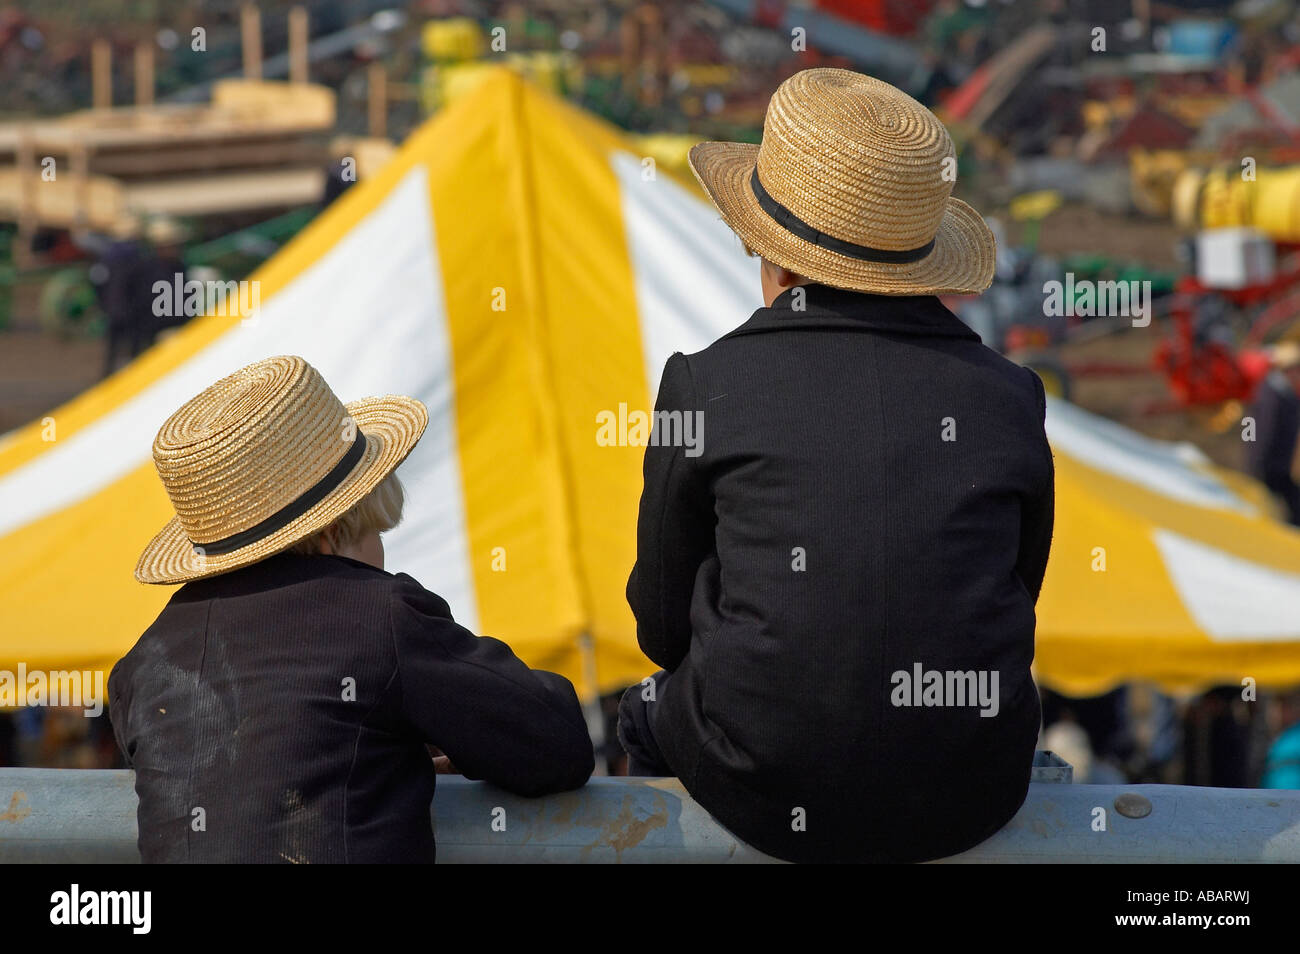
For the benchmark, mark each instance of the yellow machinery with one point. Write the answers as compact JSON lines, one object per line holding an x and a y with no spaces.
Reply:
{"x":1223,"y":198}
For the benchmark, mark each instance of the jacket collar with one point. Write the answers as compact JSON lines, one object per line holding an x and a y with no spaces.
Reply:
{"x":280,"y":569}
{"x":827,"y":307}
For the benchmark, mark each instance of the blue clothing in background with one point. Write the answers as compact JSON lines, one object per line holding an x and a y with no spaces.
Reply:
{"x":1282,"y":767}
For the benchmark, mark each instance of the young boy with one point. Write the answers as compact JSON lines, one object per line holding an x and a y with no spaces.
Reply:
{"x":840,"y":588}
{"x":281,"y":707}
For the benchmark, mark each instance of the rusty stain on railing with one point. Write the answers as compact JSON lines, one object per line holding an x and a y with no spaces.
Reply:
{"x":626,"y":830}
{"x":18,"y":808}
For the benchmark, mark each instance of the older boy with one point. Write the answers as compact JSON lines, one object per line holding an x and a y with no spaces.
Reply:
{"x":840,"y":588}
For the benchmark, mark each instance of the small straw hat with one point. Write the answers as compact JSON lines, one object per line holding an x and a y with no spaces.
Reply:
{"x":849,"y":189}
{"x":263,"y":459}
{"x":1285,"y":354}
{"x":164,"y":230}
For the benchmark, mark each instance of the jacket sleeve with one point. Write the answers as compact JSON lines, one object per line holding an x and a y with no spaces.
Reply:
{"x":498,"y":720}
{"x":675,"y":530}
{"x":1038,"y":511}
{"x":118,"y":701}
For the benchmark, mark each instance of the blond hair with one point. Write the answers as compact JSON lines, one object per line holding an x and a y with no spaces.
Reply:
{"x":380,"y":510}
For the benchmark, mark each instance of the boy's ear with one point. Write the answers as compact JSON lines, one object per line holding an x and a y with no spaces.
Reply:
{"x":783,"y":276}
{"x":329,"y":537}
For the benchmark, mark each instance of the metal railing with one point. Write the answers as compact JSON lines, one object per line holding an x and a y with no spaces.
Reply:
{"x":66,"y":815}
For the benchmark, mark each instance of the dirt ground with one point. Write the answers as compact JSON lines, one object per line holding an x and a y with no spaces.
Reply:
{"x":38,"y":372}
{"x":1079,"y":228}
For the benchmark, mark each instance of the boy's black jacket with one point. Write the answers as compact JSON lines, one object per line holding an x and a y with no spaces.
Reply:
{"x":875,"y":491}
{"x":291,"y":702}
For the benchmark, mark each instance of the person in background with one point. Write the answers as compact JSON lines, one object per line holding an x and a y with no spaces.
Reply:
{"x":124,"y":276}
{"x":1276,"y":410}
{"x":1282,"y":766}
{"x":1217,"y":735}
{"x":339,"y":177}
{"x":1108,"y":735}
{"x":8,"y":733}
{"x":281,"y":705}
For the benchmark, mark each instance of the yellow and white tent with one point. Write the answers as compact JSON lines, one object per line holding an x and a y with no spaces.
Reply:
{"x":522,"y":271}
{"x":1163,"y":567}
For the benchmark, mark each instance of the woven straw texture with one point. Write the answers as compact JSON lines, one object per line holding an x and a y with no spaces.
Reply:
{"x":861,"y":161}
{"x":252,"y":444}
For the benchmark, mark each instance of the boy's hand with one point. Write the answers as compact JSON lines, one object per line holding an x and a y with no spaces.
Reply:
{"x":441,"y":763}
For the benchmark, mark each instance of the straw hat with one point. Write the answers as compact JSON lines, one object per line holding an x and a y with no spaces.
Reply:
{"x":1285,"y":354}
{"x":848,"y":189}
{"x":164,"y":230}
{"x":263,"y":459}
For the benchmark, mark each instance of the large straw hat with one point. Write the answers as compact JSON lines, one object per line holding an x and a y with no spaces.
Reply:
{"x":264,"y":458}
{"x":849,"y":189}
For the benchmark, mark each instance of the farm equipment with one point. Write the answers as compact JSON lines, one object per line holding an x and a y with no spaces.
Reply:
{"x":1215,"y":351}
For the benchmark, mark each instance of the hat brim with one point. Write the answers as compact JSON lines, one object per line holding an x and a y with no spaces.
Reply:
{"x":392,"y":426}
{"x":961,"y":263}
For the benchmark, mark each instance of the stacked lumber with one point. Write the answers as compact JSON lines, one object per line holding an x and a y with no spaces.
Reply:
{"x":258,"y":144}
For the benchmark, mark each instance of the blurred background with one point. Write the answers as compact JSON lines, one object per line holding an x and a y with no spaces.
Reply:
{"x":1107,"y":140}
